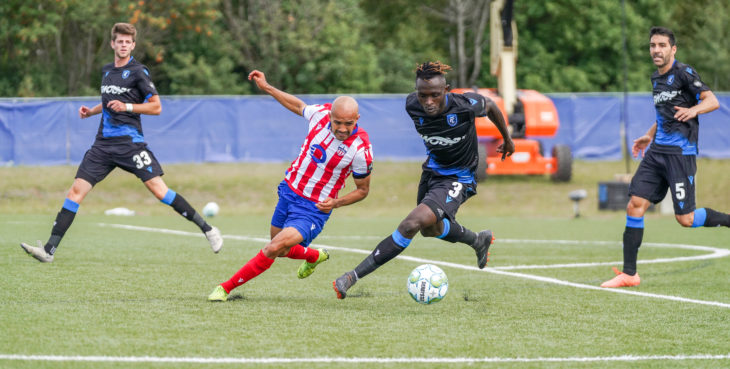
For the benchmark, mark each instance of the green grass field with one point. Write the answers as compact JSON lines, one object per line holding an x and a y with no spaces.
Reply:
{"x":121,"y":288}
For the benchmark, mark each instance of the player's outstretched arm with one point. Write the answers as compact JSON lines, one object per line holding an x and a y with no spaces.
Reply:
{"x":641,"y":143}
{"x":289,"y":101}
{"x":360,"y":192}
{"x":85,"y":112}
{"x":507,"y":148}
{"x":153,"y":106}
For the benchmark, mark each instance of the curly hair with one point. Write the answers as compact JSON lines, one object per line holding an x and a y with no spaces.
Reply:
{"x":429,"y":70}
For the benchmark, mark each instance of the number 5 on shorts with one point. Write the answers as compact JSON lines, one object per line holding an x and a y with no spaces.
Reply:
{"x":679,"y":190}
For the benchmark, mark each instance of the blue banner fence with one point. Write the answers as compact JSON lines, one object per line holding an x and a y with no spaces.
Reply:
{"x":257,"y":129}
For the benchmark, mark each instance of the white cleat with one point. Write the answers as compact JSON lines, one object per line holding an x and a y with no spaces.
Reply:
{"x":215,"y":239}
{"x":37,"y":252}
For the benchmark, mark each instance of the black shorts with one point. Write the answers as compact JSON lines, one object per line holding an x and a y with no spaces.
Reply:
{"x":444,"y":194}
{"x":134,"y":158}
{"x":659,"y":172}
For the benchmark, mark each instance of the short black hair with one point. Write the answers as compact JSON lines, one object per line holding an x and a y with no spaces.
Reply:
{"x":664,"y":31}
{"x":429,"y":70}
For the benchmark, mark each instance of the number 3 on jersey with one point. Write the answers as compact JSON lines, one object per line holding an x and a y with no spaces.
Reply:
{"x":142,"y":159}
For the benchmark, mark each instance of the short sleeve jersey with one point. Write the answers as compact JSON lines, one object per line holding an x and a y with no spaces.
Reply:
{"x":450,"y":137}
{"x":680,"y":86}
{"x":128,"y":84}
{"x":324,"y":162}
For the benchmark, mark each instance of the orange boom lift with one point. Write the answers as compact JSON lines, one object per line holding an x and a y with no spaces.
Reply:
{"x":529,"y":113}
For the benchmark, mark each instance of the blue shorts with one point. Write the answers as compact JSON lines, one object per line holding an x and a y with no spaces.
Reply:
{"x":295,"y":211}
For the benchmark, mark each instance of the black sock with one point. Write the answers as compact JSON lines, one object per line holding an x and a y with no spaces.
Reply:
{"x":64,"y":218}
{"x":183,"y":208}
{"x":386,"y":250}
{"x":716,"y":218}
{"x":632,"y":241}
{"x":455,"y":232}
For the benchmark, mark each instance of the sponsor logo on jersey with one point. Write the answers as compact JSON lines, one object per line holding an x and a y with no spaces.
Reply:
{"x":420,"y":121}
{"x":448,"y":199}
{"x":670,"y":79}
{"x":451,"y":119}
{"x":665,"y":96}
{"x":341,"y":150}
{"x":442,"y":141}
{"x":689,"y":70}
{"x":125,"y":74}
{"x":472,"y":101}
{"x":318,"y":154}
{"x":114,"y":90}
{"x":697,"y":83}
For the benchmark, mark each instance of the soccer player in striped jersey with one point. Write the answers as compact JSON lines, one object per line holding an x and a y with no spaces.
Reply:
{"x":126,"y":92}
{"x":445,"y":121}
{"x":334,"y":148}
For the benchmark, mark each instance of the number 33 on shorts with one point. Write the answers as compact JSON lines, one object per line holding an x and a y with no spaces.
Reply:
{"x":142,"y":159}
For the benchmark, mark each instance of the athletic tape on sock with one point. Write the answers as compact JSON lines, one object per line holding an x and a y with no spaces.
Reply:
{"x":700,"y":216}
{"x":169,"y":196}
{"x":70,"y":205}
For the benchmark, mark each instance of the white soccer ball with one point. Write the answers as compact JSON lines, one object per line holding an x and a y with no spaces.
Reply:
{"x":428,"y":284}
{"x":211,"y":209}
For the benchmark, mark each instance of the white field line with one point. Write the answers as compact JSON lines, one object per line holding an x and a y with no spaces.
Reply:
{"x":354,"y":360}
{"x":716,"y":253}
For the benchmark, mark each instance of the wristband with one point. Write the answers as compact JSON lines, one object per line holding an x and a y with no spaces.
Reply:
{"x":129,"y":107}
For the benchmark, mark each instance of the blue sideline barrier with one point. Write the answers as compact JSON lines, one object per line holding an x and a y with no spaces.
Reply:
{"x":258,"y":129}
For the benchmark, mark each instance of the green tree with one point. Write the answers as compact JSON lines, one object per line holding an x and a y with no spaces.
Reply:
{"x":306,"y":46}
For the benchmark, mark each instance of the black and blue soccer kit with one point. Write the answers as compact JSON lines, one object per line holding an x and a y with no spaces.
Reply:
{"x":670,"y":161}
{"x":120,"y":140}
{"x":447,"y":180}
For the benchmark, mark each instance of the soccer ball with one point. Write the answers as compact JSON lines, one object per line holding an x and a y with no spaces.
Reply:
{"x":210,"y":209}
{"x":428,"y":284}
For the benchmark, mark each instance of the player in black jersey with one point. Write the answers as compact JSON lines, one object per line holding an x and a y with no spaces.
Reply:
{"x":670,"y":162}
{"x":445,"y":122}
{"x":126,"y":92}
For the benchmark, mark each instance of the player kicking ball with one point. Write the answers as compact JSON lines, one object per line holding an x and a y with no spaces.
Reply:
{"x":334,"y":147}
{"x":126,"y":93}
{"x":445,"y":121}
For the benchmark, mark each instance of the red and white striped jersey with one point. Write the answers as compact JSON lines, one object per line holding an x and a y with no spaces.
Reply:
{"x":324,"y":162}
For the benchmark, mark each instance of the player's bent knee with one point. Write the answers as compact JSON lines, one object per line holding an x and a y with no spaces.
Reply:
{"x":685,"y":220}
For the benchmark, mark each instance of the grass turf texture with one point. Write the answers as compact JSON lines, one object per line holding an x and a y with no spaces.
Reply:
{"x":117,"y":292}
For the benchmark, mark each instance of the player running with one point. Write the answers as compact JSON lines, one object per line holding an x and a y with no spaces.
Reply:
{"x":334,"y":147}
{"x":445,"y":121}
{"x":126,"y":92}
{"x":670,"y":162}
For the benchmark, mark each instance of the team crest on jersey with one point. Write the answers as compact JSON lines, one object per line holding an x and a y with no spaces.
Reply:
{"x":451,"y":119}
{"x":670,"y":79}
{"x":318,"y":154}
{"x":125,"y":74}
{"x":341,"y":150}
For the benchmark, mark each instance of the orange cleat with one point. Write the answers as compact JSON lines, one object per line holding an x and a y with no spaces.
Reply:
{"x":622,"y":280}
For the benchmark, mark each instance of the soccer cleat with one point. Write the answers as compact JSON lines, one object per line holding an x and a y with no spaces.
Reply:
{"x":481,"y":247}
{"x":342,"y":284}
{"x":215,"y":239}
{"x":306,"y":269}
{"x":37,"y":252}
{"x":218,"y":294}
{"x":622,"y":280}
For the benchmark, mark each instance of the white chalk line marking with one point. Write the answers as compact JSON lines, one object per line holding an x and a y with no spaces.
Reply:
{"x":274,"y":360}
{"x":716,"y":254}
